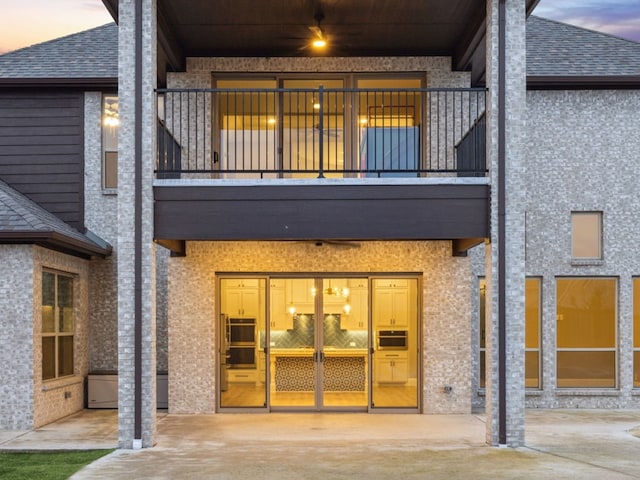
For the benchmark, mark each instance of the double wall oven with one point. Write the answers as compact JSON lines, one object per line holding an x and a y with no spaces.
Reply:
{"x":241,"y":342}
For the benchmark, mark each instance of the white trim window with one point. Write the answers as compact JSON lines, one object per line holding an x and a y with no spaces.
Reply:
{"x":58,"y":325}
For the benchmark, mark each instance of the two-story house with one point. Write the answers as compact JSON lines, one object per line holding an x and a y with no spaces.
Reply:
{"x":418,"y":218}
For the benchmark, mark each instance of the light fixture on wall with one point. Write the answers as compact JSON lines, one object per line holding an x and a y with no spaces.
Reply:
{"x":291,"y":309}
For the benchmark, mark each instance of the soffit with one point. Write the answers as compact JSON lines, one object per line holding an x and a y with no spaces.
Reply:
{"x":246,"y":28}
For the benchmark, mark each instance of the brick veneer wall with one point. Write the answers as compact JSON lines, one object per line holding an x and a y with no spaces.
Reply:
{"x":16,"y":337}
{"x":445,"y":299}
{"x":55,"y":399}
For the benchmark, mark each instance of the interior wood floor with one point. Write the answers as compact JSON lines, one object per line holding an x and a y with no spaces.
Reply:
{"x":246,"y":395}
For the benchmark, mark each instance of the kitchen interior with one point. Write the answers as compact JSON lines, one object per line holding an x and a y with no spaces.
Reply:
{"x":319,"y":343}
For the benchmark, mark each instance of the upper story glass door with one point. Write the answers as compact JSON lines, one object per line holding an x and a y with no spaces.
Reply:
{"x":313,"y":133}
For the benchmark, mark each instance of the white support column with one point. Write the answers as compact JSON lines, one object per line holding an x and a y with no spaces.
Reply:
{"x":505,"y":262}
{"x":136,"y":252}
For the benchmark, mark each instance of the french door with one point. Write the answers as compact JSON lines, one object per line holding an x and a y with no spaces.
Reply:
{"x":318,"y":362}
{"x":319,"y":343}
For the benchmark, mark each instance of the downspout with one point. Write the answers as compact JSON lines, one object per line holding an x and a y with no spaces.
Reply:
{"x":502,"y":321}
{"x":137,"y":435}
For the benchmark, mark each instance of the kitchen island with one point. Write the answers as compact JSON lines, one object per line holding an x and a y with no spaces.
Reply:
{"x":344,"y":369}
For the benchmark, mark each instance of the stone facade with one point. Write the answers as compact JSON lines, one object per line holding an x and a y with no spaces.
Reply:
{"x":136,"y":250}
{"x":101,"y":210}
{"x":505,"y":253}
{"x":55,"y":399}
{"x":28,"y":401}
{"x":587,"y":165}
{"x":16,"y":337}
{"x":446,"y":301}
{"x":200,"y":71}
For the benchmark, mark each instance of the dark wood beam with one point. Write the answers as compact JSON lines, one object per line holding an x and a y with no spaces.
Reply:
{"x":460,"y":246}
{"x":178,"y":247}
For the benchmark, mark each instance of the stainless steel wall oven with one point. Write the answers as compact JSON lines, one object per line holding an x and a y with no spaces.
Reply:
{"x":392,"y":340}
{"x":241,"y":342}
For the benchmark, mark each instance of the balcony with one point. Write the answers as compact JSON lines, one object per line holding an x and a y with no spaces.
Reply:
{"x":306,"y":133}
{"x":321,"y":163}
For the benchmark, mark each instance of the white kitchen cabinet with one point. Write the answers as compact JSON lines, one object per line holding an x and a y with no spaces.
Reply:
{"x":242,"y":301}
{"x":391,"y":367}
{"x":242,"y":375}
{"x":358,"y":317}
{"x":301,"y":290}
{"x":391,"y":283}
{"x":391,"y":304}
{"x":300,"y":294}
{"x":279,"y":316}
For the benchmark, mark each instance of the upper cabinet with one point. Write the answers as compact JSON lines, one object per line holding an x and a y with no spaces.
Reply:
{"x":357,"y":317}
{"x":241,"y":298}
{"x":391,"y":308}
{"x":300,"y":294}
{"x":280,"y":318}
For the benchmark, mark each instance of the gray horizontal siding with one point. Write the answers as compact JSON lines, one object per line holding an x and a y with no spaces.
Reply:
{"x":41,"y":149}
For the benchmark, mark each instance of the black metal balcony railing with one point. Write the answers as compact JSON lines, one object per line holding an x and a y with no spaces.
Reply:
{"x":311,"y":133}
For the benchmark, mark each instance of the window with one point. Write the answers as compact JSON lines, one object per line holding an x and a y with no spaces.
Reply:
{"x":636,"y":333}
{"x":532,"y":332}
{"x":586,"y":332}
{"x":586,"y":235}
{"x":57,"y":325}
{"x":110,"y":123}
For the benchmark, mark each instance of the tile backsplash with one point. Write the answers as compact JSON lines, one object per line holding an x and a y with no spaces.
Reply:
{"x":302,"y":334}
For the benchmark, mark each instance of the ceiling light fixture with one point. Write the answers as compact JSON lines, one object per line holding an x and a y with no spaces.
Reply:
{"x":320,"y":40}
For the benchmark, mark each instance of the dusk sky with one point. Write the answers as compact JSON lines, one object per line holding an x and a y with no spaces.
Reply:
{"x":25,"y":22}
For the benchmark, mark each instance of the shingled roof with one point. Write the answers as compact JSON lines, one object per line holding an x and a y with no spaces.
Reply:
{"x":553,"y":49}
{"x":558,"y":49}
{"x":24,"y":221}
{"x":90,"y":54}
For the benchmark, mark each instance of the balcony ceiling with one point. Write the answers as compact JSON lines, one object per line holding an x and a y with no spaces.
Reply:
{"x":353,"y":27}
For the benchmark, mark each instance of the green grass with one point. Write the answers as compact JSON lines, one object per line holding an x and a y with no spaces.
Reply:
{"x":45,"y":465}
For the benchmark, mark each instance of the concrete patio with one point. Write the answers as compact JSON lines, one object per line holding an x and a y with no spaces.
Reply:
{"x":572,"y":444}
